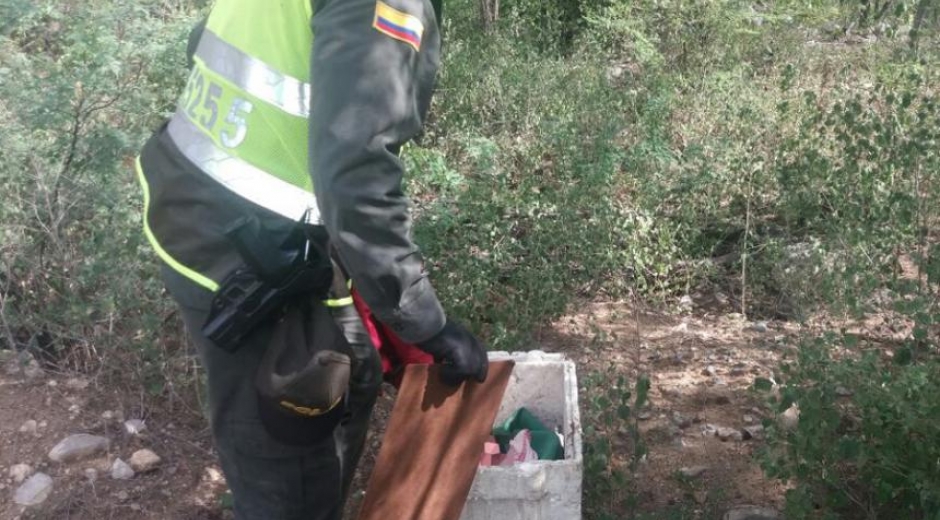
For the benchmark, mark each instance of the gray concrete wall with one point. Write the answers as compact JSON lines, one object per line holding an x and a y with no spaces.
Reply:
{"x":547,"y":385}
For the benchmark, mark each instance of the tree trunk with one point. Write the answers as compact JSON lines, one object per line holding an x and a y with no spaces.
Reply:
{"x":489,"y":13}
{"x":922,"y":8}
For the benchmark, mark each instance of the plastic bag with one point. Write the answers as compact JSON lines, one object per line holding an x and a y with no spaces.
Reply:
{"x":520,"y":450}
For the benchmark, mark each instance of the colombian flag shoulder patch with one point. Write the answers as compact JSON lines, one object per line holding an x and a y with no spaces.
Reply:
{"x":398,"y":25}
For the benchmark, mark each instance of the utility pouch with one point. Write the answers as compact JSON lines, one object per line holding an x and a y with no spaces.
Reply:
{"x":303,"y":378}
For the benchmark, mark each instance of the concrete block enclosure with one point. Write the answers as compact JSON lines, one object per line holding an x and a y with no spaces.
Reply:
{"x":547,"y":385}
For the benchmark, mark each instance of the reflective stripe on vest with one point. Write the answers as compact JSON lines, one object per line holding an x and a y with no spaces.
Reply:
{"x":254,"y":76}
{"x":242,"y":119}
{"x":176,"y":265}
{"x":239,"y":176}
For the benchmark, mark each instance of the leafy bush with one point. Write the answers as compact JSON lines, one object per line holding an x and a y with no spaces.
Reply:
{"x":859,"y":178}
{"x":80,"y":87}
{"x":866,"y":442}
{"x":531,"y":211}
{"x":611,"y":409}
{"x":678,"y":34}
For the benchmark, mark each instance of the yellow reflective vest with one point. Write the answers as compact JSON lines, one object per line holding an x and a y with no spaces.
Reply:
{"x":253,"y":133}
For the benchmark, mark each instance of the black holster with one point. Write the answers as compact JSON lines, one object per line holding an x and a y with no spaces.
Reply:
{"x":271,"y":276}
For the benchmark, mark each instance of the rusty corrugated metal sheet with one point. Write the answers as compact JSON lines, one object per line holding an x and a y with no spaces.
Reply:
{"x":432,"y":446}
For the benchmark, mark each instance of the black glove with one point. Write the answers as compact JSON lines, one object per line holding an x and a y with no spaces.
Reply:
{"x":462,"y":354}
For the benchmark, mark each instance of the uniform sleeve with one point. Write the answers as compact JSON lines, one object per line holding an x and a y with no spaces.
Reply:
{"x":192,"y":43}
{"x":369,"y":94}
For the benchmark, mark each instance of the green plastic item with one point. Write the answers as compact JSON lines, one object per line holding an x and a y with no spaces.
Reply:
{"x":544,"y":441}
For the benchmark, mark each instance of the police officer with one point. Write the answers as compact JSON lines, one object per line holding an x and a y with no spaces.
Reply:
{"x":296,"y":110}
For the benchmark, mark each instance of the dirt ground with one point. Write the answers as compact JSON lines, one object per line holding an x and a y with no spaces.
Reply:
{"x":702,"y":366}
{"x":701,"y":361}
{"x":187,"y":485}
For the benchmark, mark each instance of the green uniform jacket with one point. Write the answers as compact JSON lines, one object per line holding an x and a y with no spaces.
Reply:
{"x":370,"y":94}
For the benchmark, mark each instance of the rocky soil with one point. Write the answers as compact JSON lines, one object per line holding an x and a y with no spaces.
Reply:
{"x":73,"y":447}
{"x":704,"y":424}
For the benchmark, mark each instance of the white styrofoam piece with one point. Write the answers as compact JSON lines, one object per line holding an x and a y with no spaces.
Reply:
{"x":547,"y":385}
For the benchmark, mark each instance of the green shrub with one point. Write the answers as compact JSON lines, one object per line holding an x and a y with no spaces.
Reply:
{"x":529,"y":209}
{"x":858,"y":179}
{"x":866,"y":444}
{"x":613,"y":447}
{"x":579,"y":150}
{"x":681,"y":35}
{"x":858,"y":182}
{"x":80,"y":87}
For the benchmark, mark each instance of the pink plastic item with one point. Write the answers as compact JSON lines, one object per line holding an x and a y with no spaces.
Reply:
{"x":491,"y":455}
{"x":520,"y":449}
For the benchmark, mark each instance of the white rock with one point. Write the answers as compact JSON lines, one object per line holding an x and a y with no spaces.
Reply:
{"x":77,"y":383}
{"x":752,"y":513}
{"x":729,"y":434}
{"x":24,"y":363}
{"x":790,"y":419}
{"x":91,"y":474}
{"x":755,"y":431}
{"x":43,"y":424}
{"x":693,"y":472}
{"x":842,"y":391}
{"x":107,"y":415}
{"x":143,"y":461}
{"x":213,"y":475}
{"x":760,"y":326}
{"x":135,"y":426}
{"x":29,"y":426}
{"x":680,"y":420}
{"x":33,"y":371}
{"x":77,"y":447}
{"x":19,"y":472}
{"x":34,"y":491}
{"x":11,"y":363}
{"x":121,"y":471}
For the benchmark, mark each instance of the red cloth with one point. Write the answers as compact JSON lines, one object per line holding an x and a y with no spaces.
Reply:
{"x":395,"y":353}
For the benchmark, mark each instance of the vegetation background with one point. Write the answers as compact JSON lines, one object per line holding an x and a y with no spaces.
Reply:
{"x":784,"y":153}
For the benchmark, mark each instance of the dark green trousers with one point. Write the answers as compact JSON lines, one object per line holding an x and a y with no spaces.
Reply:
{"x":270,"y":480}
